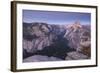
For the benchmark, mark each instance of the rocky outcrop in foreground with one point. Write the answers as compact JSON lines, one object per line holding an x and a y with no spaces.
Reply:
{"x":38,"y":58}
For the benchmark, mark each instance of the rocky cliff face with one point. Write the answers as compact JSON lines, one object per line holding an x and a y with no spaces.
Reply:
{"x":58,"y":41}
{"x":77,"y":34}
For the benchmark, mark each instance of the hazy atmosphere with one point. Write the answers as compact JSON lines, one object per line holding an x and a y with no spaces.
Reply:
{"x":54,"y":17}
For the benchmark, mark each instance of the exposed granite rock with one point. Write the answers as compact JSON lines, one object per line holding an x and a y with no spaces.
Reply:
{"x":42,"y":37}
{"x":75,"y":56}
{"x":40,"y":58}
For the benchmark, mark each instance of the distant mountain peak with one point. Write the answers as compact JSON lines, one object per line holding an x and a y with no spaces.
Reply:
{"x":77,"y":24}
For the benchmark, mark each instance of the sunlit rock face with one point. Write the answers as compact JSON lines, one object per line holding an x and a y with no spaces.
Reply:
{"x":59,"y":41}
{"x":77,"y":34}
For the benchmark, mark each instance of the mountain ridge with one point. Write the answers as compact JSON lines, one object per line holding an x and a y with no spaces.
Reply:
{"x":41,"y":38}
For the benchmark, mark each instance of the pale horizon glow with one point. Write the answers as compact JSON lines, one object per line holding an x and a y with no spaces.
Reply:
{"x":55,"y":17}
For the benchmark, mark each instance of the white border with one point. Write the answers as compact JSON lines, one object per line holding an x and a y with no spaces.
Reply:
{"x":21,"y":65}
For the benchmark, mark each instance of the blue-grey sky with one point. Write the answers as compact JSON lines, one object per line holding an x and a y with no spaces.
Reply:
{"x":55,"y":17}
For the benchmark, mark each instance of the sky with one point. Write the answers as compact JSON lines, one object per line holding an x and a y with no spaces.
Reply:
{"x":55,"y":17}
